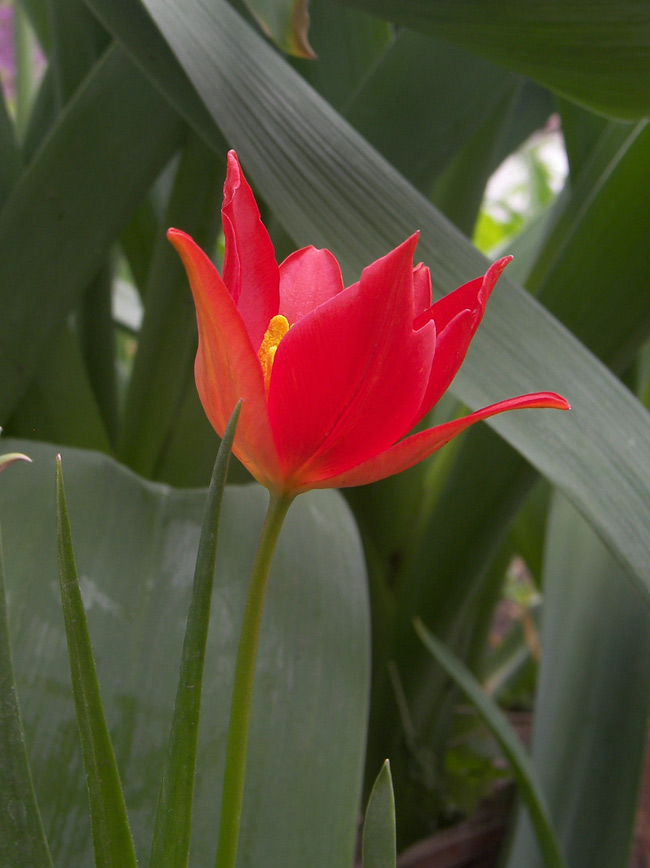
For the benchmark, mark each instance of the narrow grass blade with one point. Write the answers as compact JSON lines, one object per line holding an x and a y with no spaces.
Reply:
{"x":514,"y":751}
{"x":379,"y":840}
{"x":111,"y":834}
{"x":171,"y":840}
{"x":22,"y":840}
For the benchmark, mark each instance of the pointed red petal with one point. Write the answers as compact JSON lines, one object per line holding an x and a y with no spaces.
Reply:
{"x":249,"y":269}
{"x":227,"y":367}
{"x":419,"y":446}
{"x":348,"y":377}
{"x":457,"y":317}
{"x":308,"y":278}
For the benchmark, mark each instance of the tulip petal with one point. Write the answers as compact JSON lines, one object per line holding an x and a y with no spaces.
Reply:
{"x":308,"y":278}
{"x":349,"y":376}
{"x":457,"y":317}
{"x":249,"y":269}
{"x":419,"y":446}
{"x":227,"y":367}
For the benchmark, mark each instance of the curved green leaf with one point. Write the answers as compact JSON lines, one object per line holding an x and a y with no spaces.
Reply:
{"x":594,"y":52}
{"x":510,"y":744}
{"x":135,"y":547}
{"x":593,"y":700}
{"x":69,"y":205}
{"x":22,"y":840}
{"x":112,"y":840}
{"x":331,"y":189}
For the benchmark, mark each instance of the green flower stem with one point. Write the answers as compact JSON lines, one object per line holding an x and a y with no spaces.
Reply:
{"x":242,"y":696}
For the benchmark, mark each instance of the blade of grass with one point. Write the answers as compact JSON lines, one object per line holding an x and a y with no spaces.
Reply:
{"x":171,"y":839}
{"x":22,"y":840}
{"x":379,"y":839}
{"x":110,"y":826}
{"x":514,"y":751}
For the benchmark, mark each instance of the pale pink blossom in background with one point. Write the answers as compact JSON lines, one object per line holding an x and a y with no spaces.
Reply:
{"x":7,"y":51}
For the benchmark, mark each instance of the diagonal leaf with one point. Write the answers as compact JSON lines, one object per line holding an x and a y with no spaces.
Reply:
{"x":592,"y":704}
{"x":70,"y":204}
{"x":592,"y":51}
{"x":171,"y":839}
{"x":111,"y":834}
{"x":22,"y":840}
{"x":331,"y":189}
{"x":518,"y":760}
{"x":379,"y":841}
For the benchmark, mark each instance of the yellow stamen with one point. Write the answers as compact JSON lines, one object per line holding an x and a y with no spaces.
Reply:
{"x":278,"y":327}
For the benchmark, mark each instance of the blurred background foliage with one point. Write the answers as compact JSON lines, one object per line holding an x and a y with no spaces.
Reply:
{"x":493,"y":127}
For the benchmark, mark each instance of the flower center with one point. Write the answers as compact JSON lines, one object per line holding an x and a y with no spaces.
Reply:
{"x":278,"y":327}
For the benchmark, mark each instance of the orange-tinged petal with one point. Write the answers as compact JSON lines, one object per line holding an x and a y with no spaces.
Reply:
{"x":417,"y":447}
{"x":227,"y":367}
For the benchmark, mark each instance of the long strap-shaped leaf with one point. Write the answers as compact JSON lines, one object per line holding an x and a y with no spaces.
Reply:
{"x":171,"y":842}
{"x":69,"y":205}
{"x":513,"y":749}
{"x":331,"y":188}
{"x":111,"y":833}
{"x":22,"y":840}
{"x":593,"y":51}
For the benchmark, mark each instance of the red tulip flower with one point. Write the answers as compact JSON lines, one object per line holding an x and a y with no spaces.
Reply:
{"x":332,"y":378}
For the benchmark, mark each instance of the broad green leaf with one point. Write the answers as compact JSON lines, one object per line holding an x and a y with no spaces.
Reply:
{"x":59,"y":405}
{"x":592,"y":705}
{"x":422,"y":101}
{"x":511,"y":746}
{"x":612,"y":254}
{"x":331,"y":189}
{"x":64,"y":212}
{"x":132,"y":27}
{"x":594,"y":52}
{"x":77,"y":42}
{"x":96,"y":335}
{"x":135,"y":548}
{"x":347,"y":44}
{"x":163,"y":370}
{"x":286,"y":22}
{"x":111,"y":834}
{"x":378,"y":843}
{"x":22,"y":840}
{"x":171,"y":838}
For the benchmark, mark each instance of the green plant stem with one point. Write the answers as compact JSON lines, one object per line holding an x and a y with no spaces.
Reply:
{"x":242,"y":696}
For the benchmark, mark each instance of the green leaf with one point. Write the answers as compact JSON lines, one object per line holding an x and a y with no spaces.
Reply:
{"x":171,"y":840}
{"x":163,"y":371}
{"x":111,"y":834}
{"x":22,"y":839}
{"x":593,"y":700}
{"x":594,"y":52}
{"x":59,"y":405}
{"x":513,"y":749}
{"x":331,"y":189}
{"x":70,"y":204}
{"x":135,"y":547}
{"x":286,"y":22}
{"x":426,"y":124}
{"x":379,"y":844}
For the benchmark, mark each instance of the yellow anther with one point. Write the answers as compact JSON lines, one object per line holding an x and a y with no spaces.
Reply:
{"x":278,"y":327}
